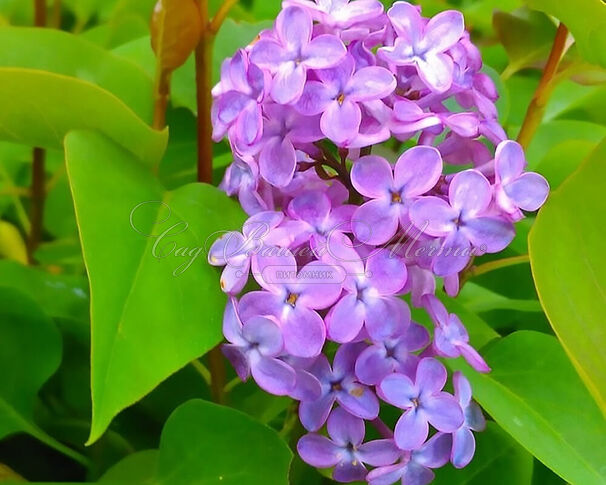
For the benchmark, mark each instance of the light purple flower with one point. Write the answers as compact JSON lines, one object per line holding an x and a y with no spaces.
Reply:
{"x":337,"y":93}
{"x":293,"y":52}
{"x":415,"y":467}
{"x":424,"y":45}
{"x":450,"y":336}
{"x":283,"y":128}
{"x":463,"y":441}
{"x":369,"y":300}
{"x":339,"y":384}
{"x":340,"y":13}
{"x":238,"y":100}
{"x":416,"y":171}
{"x":236,"y":250}
{"x":242,"y":179}
{"x":514,"y":188}
{"x":344,"y":449}
{"x":462,"y":222}
{"x":253,"y":349}
{"x":292,"y":297}
{"x":392,"y":355}
{"x":424,"y":402}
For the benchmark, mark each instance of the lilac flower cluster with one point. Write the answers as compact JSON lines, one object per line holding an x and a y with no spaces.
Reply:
{"x":339,"y":239}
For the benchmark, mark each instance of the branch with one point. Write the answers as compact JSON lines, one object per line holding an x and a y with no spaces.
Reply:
{"x":221,"y":15}
{"x":536,"y":109}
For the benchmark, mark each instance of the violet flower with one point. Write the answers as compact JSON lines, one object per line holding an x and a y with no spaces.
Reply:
{"x":424,"y":45}
{"x":293,"y":52}
{"x":344,"y":449}
{"x":416,"y":171}
{"x":424,"y":403}
{"x":339,"y":384}
{"x":340,"y":13}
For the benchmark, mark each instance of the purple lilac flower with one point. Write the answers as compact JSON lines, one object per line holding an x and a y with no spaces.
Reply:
{"x":339,"y":384}
{"x":336,"y":96}
{"x":236,"y":251}
{"x":450,"y":336}
{"x":514,"y":188}
{"x":292,"y":52}
{"x":415,"y":467}
{"x":344,"y":449}
{"x":392,"y":355}
{"x":462,"y":222}
{"x":242,"y":179}
{"x":253,"y":349}
{"x":463,"y":441}
{"x":369,"y":300}
{"x":424,"y":403}
{"x":239,"y":96}
{"x":423,"y":45}
{"x":283,"y":128}
{"x":293,"y":298}
{"x":340,"y":13}
{"x":416,"y":171}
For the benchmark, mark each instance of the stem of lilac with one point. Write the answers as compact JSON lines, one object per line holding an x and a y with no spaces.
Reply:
{"x":327,"y":159}
{"x":536,"y":109}
{"x":382,"y":428}
{"x":56,"y":14}
{"x":161,"y":94}
{"x":202,"y":370}
{"x":491,"y":266}
{"x":203,"y":57}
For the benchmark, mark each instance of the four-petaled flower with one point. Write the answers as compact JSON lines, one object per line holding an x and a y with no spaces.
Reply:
{"x":340,"y":13}
{"x":340,"y":384}
{"x":423,"y":45}
{"x":338,"y":93}
{"x":463,"y":222}
{"x":424,"y":402}
{"x":253,"y":349}
{"x":293,"y":52}
{"x":416,"y":171}
{"x":344,"y":449}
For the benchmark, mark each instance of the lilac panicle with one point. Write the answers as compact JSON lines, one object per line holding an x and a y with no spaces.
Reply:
{"x":342,"y":237}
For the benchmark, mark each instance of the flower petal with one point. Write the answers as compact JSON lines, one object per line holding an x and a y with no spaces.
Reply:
{"x":431,"y":376}
{"x":371,"y":83}
{"x":372,"y":176}
{"x":411,"y":430}
{"x":274,"y":376}
{"x":443,"y":31}
{"x":345,"y":428}
{"x":398,"y":390}
{"x":323,"y":52}
{"x":386,"y":272}
{"x":490,"y":234}
{"x":277,"y":161}
{"x":529,"y":191}
{"x":304,"y":332}
{"x":386,"y":475}
{"x":318,"y":451}
{"x":288,"y":83}
{"x":313,"y":414}
{"x":315,"y":98}
{"x":469,"y":192}
{"x":418,"y":170}
{"x":373,"y":365}
{"x":359,"y":400}
{"x":509,"y":161}
{"x":433,"y":216}
{"x":349,"y":471}
{"x":379,"y":452}
{"x":238,"y":360}
{"x":341,"y":122}
{"x":436,"y":71}
{"x":463,"y":447}
{"x":375,"y":222}
{"x":345,"y":319}
{"x":294,"y":26}
{"x":435,"y":452}
{"x":265,"y":333}
{"x":443,"y":412}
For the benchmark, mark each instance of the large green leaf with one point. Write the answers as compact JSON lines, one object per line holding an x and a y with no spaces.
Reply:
{"x":30,"y":352}
{"x":586,"y":20}
{"x":567,"y":254}
{"x":206,"y":444}
{"x":155,"y":307}
{"x":535,"y":395}
{"x":62,"y":53}
{"x":498,"y":460}
{"x":39,"y":108}
{"x":63,"y":296}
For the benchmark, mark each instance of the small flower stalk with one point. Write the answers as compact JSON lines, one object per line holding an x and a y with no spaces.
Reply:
{"x":342,"y":240}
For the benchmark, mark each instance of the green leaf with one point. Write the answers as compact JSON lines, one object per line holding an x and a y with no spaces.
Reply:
{"x":586,"y":20}
{"x":498,"y":460}
{"x":535,"y":395}
{"x":62,"y":53}
{"x":479,"y":299}
{"x":60,"y":295}
{"x":563,"y":159}
{"x":203,"y":443}
{"x":526,"y":35}
{"x":569,"y":268}
{"x":156,"y":304}
{"x":36,"y":111}
{"x":12,"y":245}
{"x":30,"y":352}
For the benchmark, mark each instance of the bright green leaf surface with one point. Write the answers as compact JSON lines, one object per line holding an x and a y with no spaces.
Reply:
{"x":535,"y":395}
{"x":37,"y":111}
{"x":30,"y":352}
{"x":586,"y":20}
{"x":569,"y":268}
{"x":62,"y":53}
{"x":498,"y":460}
{"x":206,"y":444}
{"x":156,"y":304}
